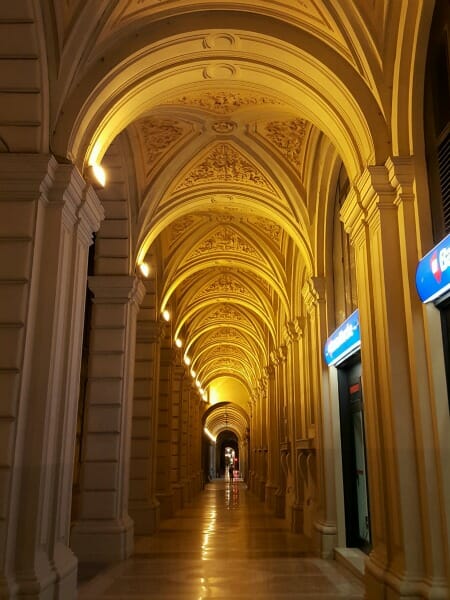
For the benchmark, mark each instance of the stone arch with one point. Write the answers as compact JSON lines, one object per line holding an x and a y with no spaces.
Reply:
{"x":360,"y":139}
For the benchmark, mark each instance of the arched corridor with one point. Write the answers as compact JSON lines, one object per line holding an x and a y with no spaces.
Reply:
{"x":223,"y":545}
{"x":225,"y":259}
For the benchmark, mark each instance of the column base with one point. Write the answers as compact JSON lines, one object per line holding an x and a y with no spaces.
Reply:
{"x":381,"y":583}
{"x":43,"y":583}
{"x":324,"y":536}
{"x":146,"y":517}
{"x":95,"y":541}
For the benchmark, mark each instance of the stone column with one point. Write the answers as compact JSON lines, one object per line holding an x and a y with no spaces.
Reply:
{"x":184,"y":440}
{"x":406,"y":456}
{"x":104,"y":531}
{"x":284,"y":450}
{"x":175,"y":436}
{"x":318,"y":458}
{"x":47,"y":216}
{"x":163,"y":477}
{"x":273,"y":440}
{"x":144,"y":506}
{"x":297,"y":429}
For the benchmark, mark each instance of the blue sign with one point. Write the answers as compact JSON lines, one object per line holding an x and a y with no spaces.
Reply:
{"x":344,"y":341}
{"x":433,"y":272}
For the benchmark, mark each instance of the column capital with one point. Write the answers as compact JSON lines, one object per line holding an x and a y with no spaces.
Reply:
{"x":150,"y":331}
{"x":313,"y":292}
{"x":293,"y":329}
{"x":378,"y":188}
{"x":401,"y":173}
{"x":269,"y":372}
{"x":117,"y":289}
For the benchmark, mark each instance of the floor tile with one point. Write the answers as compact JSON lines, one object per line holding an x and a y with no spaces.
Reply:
{"x":223,"y":546}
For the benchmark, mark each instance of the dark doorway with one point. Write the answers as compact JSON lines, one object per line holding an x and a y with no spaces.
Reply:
{"x":354,"y":467}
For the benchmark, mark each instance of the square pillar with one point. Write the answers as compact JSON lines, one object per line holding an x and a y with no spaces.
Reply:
{"x":47,"y":216}
{"x":104,"y":531}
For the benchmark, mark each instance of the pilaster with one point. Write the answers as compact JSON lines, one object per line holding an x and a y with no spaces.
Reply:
{"x":48,"y":215}
{"x":404,"y":473}
{"x":144,"y":506}
{"x":104,"y":531}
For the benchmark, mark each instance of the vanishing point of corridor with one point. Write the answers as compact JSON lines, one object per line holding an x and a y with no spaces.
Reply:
{"x":224,"y":545}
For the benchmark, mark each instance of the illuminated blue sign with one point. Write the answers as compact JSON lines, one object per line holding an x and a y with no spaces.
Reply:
{"x":433,"y":272}
{"x":344,"y":341}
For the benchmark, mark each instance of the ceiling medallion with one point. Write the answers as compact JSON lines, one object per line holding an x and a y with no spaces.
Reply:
{"x":224,"y":127}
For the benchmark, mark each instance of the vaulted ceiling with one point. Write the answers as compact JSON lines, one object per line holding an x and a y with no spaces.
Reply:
{"x":236,"y":117}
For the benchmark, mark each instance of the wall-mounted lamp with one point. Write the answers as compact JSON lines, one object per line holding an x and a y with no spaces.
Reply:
{"x":145,"y":269}
{"x":96,"y":176}
{"x":166,"y":315}
{"x":178,"y":343}
{"x":187,"y":360}
{"x":193,"y":373}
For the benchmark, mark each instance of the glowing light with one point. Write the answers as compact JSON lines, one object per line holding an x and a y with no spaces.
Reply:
{"x":211,"y":436}
{"x":187,"y":360}
{"x":97,"y":175}
{"x":193,"y":373}
{"x":145,"y":269}
{"x":178,"y":343}
{"x":198,"y":384}
{"x":166,"y":315}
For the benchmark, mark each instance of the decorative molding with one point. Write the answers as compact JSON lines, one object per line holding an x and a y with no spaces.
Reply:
{"x":226,"y":334}
{"x":224,"y":239}
{"x":180,"y":227}
{"x":270,"y":228}
{"x":225,"y":164}
{"x":223,"y":127}
{"x":224,"y":284}
{"x":225,"y":312}
{"x":158,"y":135}
{"x":220,"y":71}
{"x":287,"y":137}
{"x":220,"y":41}
{"x":313,"y":292}
{"x":223,"y":102}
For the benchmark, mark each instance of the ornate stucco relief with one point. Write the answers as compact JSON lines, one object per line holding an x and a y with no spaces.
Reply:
{"x":287,"y":137}
{"x":182,"y":226}
{"x":158,"y":135}
{"x":225,"y":312}
{"x":222,"y":102}
{"x":225,"y":239}
{"x":225,"y":164}
{"x":224,"y":284}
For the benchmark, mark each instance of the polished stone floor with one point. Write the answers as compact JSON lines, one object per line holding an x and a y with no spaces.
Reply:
{"x":223,"y":546}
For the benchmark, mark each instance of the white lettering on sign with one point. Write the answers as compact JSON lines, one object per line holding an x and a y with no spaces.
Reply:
{"x":344,"y":335}
{"x":444,"y":258}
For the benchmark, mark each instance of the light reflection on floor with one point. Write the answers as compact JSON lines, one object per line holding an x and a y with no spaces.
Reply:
{"x":224,"y":545}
